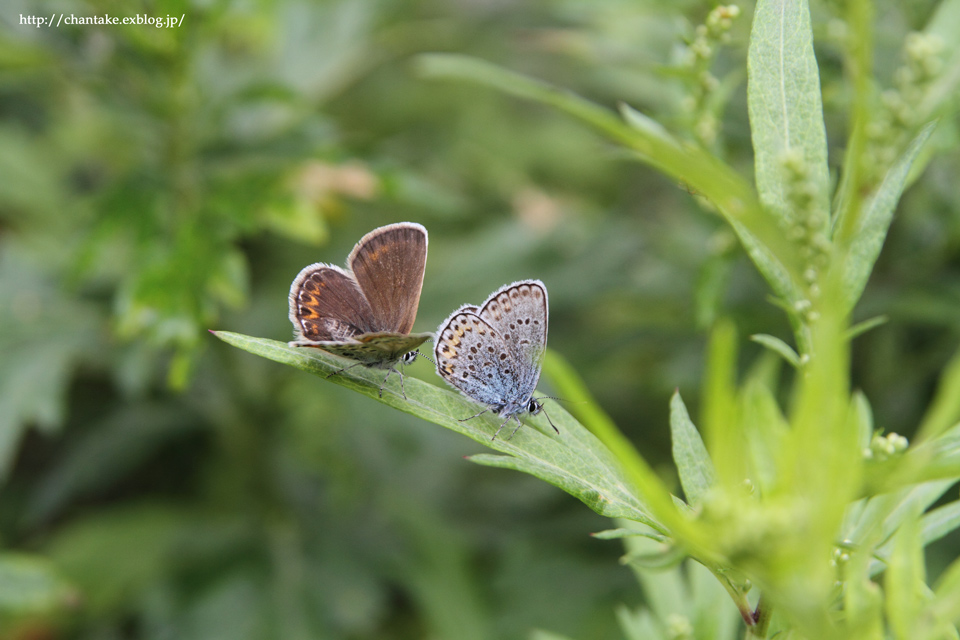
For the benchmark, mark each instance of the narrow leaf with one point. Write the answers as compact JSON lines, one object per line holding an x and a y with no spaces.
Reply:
{"x":863,"y":414}
{"x":696,"y":471}
{"x":946,"y":605}
{"x":664,"y":588}
{"x":765,"y":430}
{"x":663,"y":506}
{"x":574,"y":460}
{"x":945,"y":22}
{"x":590,"y":493}
{"x":886,"y":513}
{"x":783,"y":96}
{"x":668,"y":558}
{"x":874,"y":222}
{"x":940,"y":522}
{"x":862,"y":327}
{"x":616,"y":534}
{"x":904,"y":580}
{"x":643,"y":123}
{"x":778,"y":346}
{"x":713,"y":617}
{"x":703,"y":172}
{"x":944,"y":411}
{"x":638,"y":625}
{"x":770,"y":267}
{"x":722,"y":429}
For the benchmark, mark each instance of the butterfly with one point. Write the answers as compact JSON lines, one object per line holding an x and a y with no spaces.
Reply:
{"x":365,"y":312}
{"x":493,"y":353}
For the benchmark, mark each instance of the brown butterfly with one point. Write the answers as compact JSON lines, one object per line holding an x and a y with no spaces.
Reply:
{"x":366,"y":312}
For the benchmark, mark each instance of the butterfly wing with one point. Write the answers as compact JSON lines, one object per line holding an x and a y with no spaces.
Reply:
{"x":326,"y":304}
{"x":388,"y":264}
{"x":472,"y":357}
{"x":519,"y":312}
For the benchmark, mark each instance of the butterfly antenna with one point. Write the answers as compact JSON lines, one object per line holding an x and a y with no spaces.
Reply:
{"x":431,"y":360}
{"x":547,"y":415}
{"x":560,"y":399}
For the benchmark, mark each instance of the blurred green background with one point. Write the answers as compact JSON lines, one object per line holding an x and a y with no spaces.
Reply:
{"x":156,"y":183}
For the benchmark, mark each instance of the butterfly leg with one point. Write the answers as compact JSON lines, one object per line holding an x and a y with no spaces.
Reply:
{"x":403,"y":389}
{"x":339,"y":371}
{"x":514,"y":432}
{"x":476,"y":415}
{"x":501,"y":427}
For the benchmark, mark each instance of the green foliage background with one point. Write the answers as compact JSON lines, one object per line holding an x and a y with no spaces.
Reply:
{"x":156,"y":183}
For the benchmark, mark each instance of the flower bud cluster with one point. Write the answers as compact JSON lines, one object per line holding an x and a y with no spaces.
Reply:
{"x":807,"y":225}
{"x":714,"y":32}
{"x":841,"y":556}
{"x":884,"y":447}
{"x":901,"y":110}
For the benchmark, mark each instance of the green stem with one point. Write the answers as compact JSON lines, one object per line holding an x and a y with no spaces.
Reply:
{"x":739,"y":597}
{"x":761,"y":618}
{"x":733,"y":196}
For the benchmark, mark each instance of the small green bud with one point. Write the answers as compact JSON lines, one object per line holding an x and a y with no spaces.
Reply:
{"x":679,"y":627}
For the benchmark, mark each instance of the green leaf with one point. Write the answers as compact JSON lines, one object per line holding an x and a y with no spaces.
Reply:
{"x":713,"y":617}
{"x":884,"y":514}
{"x":721,"y":426}
{"x":939,"y":522}
{"x":30,"y":585}
{"x":574,"y":460}
{"x":777,"y":346}
{"x":616,"y":534}
{"x":783,"y":96}
{"x":904,"y":580}
{"x":933,"y":526}
{"x":874,"y":222}
{"x":946,"y":604}
{"x":667,"y":558}
{"x":862,"y":327}
{"x":665,"y":591}
{"x":643,"y":123}
{"x":36,"y":365}
{"x":944,"y":410}
{"x":770,"y":267}
{"x":704,"y":173}
{"x":935,"y":459}
{"x":696,"y":471}
{"x":638,"y":625}
{"x":765,"y":431}
{"x":942,"y":95}
{"x":665,"y":507}
{"x":945,"y":22}
{"x":863,"y":414}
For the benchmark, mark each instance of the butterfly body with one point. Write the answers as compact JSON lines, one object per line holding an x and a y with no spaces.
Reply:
{"x":381,"y":350}
{"x":493,"y":353}
{"x":365,"y":313}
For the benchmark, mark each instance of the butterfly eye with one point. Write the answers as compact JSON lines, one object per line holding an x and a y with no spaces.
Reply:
{"x":534,"y":407}
{"x":410,"y":356}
